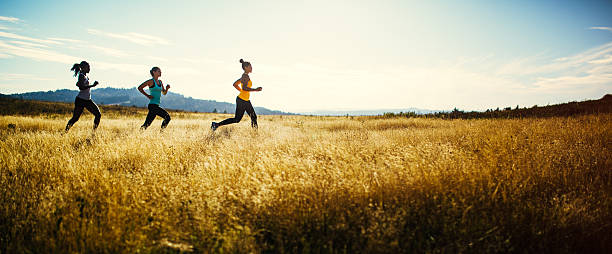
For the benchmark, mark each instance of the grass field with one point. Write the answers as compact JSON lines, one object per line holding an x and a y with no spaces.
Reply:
{"x":306,"y":184}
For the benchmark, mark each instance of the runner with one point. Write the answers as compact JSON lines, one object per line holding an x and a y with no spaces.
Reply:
{"x":156,"y":88}
{"x":242,"y":101}
{"x":83,"y":99}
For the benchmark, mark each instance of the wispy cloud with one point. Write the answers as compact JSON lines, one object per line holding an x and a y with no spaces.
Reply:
{"x":570,"y":84}
{"x":589,"y":71}
{"x":6,"y":28}
{"x":202,"y":61}
{"x":65,"y":40}
{"x":123,"y":67}
{"x":158,"y":59}
{"x":109,"y":51}
{"x":5,"y":56}
{"x":10,"y":19}
{"x":45,"y":43}
{"x":605,"y":28}
{"x":82,"y":44}
{"x":53,"y":56}
{"x":36,"y":53}
{"x":605,"y":60}
{"x":19,"y":76}
{"x":137,"y":38}
{"x":30,"y":44}
{"x":543,"y":66}
{"x":26,"y":38}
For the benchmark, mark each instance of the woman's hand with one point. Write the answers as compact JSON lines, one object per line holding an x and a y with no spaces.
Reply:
{"x":258,"y":89}
{"x":95,"y":83}
{"x":167,"y":87}
{"x":149,"y":96}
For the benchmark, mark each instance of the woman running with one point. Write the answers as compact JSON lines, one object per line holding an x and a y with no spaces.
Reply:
{"x":242,"y":101}
{"x":156,"y":88}
{"x":83,"y":99}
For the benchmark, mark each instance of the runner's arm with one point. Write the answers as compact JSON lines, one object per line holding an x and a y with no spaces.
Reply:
{"x":164,"y":91}
{"x":140,"y":88}
{"x":237,"y":86}
{"x":81,"y":83}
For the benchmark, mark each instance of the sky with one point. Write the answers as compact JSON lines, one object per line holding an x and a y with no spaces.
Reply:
{"x":319,"y":55}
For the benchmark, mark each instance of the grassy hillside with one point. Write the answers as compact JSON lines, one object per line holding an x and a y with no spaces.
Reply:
{"x":306,"y":184}
{"x":603,"y":105}
{"x":13,"y":106}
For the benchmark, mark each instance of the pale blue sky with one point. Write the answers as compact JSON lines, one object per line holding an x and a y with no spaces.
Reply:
{"x":320,"y":55}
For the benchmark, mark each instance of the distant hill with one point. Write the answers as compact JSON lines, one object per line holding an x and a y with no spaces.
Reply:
{"x":132,"y":97}
{"x":14,"y":106}
{"x":603,"y":105}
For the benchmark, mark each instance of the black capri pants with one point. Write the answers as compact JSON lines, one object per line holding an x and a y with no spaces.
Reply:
{"x":156,"y":110}
{"x":79,"y":105}
{"x":241,"y":106}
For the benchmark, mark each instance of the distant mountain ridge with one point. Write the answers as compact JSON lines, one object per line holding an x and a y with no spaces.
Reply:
{"x":132,"y":97}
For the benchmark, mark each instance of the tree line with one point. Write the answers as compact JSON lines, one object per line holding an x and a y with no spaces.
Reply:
{"x":603,"y":105}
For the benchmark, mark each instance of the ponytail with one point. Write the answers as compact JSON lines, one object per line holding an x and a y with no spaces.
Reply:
{"x":78,"y":67}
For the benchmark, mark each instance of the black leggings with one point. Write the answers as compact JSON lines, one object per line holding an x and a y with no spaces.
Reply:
{"x":241,"y":106}
{"x":79,"y":104}
{"x":155,"y":110}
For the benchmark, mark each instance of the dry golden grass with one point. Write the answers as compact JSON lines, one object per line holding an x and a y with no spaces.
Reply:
{"x":306,"y":184}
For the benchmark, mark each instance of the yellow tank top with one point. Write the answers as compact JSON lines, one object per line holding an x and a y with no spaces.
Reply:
{"x":245,"y":94}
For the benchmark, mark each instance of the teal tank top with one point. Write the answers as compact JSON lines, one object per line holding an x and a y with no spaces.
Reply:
{"x":155,"y":91}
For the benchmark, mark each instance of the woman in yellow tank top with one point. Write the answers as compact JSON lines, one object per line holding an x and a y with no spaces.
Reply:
{"x":243,"y":102}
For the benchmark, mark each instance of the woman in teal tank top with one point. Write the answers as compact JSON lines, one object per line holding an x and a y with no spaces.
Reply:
{"x":156,"y":89}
